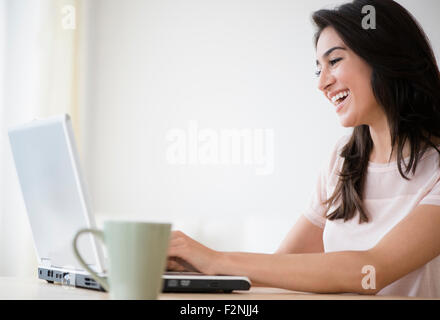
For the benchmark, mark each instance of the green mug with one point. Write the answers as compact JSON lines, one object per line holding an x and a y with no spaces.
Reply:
{"x":137,"y":253}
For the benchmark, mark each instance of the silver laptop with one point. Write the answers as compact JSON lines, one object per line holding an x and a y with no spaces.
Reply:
{"x":57,"y":205}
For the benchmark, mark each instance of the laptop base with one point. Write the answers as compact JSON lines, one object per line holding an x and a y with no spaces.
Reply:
{"x":173,"y":282}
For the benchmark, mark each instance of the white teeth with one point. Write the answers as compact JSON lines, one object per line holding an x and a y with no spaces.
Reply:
{"x":340,"y":95}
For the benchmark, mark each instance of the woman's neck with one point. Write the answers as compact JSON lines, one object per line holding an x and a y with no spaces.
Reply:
{"x":381,"y":151}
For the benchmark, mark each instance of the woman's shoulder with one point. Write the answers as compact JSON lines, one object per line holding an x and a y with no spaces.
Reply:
{"x":341,"y":142}
{"x":339,"y":145}
{"x":334,"y":161}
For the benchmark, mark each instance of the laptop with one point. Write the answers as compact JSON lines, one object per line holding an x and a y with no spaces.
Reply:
{"x":57,"y":204}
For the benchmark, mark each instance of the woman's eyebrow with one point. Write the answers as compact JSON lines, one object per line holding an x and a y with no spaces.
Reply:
{"x":327,"y":53}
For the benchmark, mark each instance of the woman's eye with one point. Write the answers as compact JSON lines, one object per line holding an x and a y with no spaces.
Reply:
{"x":334,"y":61}
{"x":331,"y":62}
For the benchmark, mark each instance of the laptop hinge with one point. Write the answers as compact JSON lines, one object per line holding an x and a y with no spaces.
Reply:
{"x":45,"y":262}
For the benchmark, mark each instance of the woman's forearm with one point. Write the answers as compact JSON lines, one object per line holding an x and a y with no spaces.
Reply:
{"x":334,"y":272}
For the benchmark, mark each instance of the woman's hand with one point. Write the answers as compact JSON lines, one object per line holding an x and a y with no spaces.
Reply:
{"x":186,"y":254}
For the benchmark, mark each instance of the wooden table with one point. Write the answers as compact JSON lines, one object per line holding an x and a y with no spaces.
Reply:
{"x":36,"y":289}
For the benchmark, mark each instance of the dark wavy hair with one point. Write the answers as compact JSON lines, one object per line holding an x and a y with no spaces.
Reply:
{"x":406,"y":83}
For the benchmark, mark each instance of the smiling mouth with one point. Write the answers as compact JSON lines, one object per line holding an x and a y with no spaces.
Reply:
{"x":341,"y":102}
{"x":340,"y":97}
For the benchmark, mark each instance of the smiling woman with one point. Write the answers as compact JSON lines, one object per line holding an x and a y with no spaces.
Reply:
{"x":394,"y":92}
{"x":385,"y":83}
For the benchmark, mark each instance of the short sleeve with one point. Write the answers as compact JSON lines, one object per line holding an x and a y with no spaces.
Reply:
{"x":316,"y":210}
{"x":433,"y":196}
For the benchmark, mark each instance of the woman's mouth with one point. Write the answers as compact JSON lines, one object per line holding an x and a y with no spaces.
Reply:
{"x":340,"y":99}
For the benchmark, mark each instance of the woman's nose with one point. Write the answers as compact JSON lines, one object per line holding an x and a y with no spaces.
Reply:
{"x":326,"y":79}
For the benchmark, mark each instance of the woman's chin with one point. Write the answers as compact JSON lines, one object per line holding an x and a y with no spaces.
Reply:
{"x":347,"y":122}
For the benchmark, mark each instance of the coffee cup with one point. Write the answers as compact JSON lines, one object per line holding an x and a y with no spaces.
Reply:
{"x":137,"y":253}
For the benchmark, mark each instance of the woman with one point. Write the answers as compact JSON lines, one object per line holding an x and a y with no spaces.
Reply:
{"x":376,"y":209}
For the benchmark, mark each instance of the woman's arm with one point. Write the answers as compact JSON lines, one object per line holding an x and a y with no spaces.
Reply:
{"x":333,"y":272}
{"x":409,"y":245}
{"x":312,"y":272}
{"x":304,"y":237}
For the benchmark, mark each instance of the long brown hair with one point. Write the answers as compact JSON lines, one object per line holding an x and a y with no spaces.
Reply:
{"x":406,"y":83}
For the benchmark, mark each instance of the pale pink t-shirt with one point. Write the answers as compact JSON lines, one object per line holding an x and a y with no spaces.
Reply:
{"x":388,"y":199}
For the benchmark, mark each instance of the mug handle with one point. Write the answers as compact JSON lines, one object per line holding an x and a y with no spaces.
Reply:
{"x":102,"y":281}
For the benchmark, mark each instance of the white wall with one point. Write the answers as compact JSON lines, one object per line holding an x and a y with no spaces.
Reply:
{"x":157,"y":65}
{"x":19,"y":96}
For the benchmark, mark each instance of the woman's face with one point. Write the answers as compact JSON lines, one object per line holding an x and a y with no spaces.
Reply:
{"x":345,"y":80}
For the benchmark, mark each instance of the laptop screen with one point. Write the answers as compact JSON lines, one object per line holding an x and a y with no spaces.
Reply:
{"x":47,"y":166}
